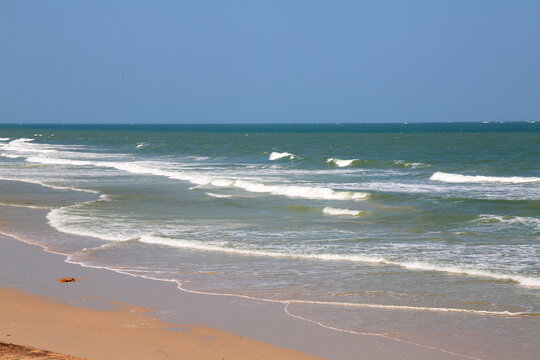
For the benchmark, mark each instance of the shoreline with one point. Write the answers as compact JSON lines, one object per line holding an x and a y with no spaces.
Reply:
{"x":127,"y":330}
{"x":99,"y":290}
{"x":33,"y":269}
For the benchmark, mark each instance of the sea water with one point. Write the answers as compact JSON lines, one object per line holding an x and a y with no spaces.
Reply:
{"x":425,"y":233}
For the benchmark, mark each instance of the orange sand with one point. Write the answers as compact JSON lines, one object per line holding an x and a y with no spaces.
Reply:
{"x":127,"y":333}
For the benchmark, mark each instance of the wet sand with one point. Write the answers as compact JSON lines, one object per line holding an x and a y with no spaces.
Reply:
{"x":127,"y":332}
{"x":63,"y":318}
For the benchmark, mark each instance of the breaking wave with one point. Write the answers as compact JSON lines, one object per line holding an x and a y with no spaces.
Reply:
{"x":219,"y":196}
{"x":510,"y":220}
{"x":414,"y":165}
{"x":341,"y":212}
{"x":277,"y":155}
{"x":340,"y":162}
{"x":301,"y":191}
{"x":411,"y":265}
{"x":458,"y":178}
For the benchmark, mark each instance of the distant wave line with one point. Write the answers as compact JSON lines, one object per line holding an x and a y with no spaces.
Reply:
{"x":302,"y":191}
{"x":459,"y":178}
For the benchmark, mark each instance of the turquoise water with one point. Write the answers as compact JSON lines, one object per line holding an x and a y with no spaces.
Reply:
{"x":425,"y":232}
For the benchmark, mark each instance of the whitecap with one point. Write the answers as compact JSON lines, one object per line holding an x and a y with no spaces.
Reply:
{"x":277,"y":155}
{"x":458,"y":178}
{"x":414,"y":165}
{"x":219,"y":196}
{"x":340,"y":162}
{"x":301,"y":191}
{"x":509,"y":220}
{"x":341,"y":212}
{"x":63,"y":220}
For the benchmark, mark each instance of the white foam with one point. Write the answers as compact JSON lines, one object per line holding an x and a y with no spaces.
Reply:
{"x":4,"y":139}
{"x":198,"y":158}
{"x":66,"y":222}
{"x":30,"y":181}
{"x":404,"y":307}
{"x":458,"y":178}
{"x":414,"y":165}
{"x":21,"y":140}
{"x":412,"y":265}
{"x":24,"y":147}
{"x":197,"y":245}
{"x":340,"y":162}
{"x":25,"y":206}
{"x":11,"y":156}
{"x":219,"y":196}
{"x":511,"y":220}
{"x":277,"y":155}
{"x":341,"y":212}
{"x":104,"y":197}
{"x":523,"y":280}
{"x":306,"y":192}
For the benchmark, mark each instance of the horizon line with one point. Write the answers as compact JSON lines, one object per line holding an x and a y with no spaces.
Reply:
{"x":273,"y":123}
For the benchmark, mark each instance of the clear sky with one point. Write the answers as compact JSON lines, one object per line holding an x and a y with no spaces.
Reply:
{"x":269,"y":61}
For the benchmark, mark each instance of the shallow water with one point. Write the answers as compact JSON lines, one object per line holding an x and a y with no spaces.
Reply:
{"x":428,"y":232}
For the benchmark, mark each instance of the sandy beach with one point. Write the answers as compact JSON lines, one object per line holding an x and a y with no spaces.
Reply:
{"x":105,"y":313}
{"x":129,"y":331}
{"x":354,"y":180}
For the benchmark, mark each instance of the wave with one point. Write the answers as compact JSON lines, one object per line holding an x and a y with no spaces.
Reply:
{"x":511,"y":220}
{"x":520,"y":279}
{"x":340,"y":162}
{"x":301,"y":191}
{"x":4,"y":139}
{"x":25,"y":206}
{"x":414,"y":165}
{"x":198,"y":158}
{"x":277,"y":155}
{"x":405,"y":307}
{"x":340,"y":212}
{"x":219,"y":196}
{"x":195,"y":245}
{"x":24,"y":147}
{"x":410,"y":265}
{"x":49,"y":185}
{"x":68,"y":223}
{"x":458,"y":178}
{"x":10,"y":156}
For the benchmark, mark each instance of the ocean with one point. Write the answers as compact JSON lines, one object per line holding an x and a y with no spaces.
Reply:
{"x":426,"y":233}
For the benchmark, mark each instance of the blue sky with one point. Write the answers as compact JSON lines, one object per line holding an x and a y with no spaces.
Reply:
{"x":269,"y":61}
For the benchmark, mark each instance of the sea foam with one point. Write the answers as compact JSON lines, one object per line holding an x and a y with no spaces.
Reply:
{"x":458,"y":178}
{"x":340,"y":162}
{"x":277,"y":155}
{"x":219,"y":196}
{"x":509,"y":220}
{"x":414,"y":165}
{"x":301,"y":191}
{"x":341,"y":212}
{"x":530,"y":281}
